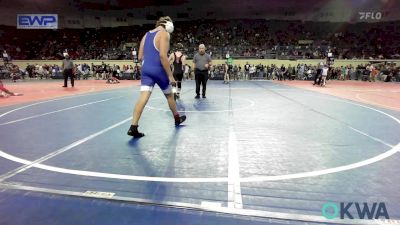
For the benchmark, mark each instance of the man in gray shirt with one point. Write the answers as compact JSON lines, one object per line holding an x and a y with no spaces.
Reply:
{"x":202,"y":63}
{"x":67,"y":67}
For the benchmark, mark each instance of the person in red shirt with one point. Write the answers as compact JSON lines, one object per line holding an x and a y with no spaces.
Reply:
{"x":5,"y":92}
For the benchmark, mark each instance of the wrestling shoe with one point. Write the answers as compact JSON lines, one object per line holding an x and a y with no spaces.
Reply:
{"x":133,"y":131}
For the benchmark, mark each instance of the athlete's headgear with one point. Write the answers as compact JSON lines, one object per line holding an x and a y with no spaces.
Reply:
{"x":166,"y":22}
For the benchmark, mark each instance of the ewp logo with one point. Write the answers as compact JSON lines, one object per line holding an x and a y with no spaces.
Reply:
{"x":37,"y":21}
{"x":331,"y":210}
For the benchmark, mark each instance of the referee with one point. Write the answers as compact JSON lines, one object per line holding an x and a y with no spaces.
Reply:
{"x":67,"y":67}
{"x":202,"y":62}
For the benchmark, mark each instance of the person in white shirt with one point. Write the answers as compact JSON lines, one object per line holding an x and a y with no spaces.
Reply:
{"x":186,"y":73}
{"x":252,"y":71}
{"x":5,"y":57}
{"x":324,"y":74}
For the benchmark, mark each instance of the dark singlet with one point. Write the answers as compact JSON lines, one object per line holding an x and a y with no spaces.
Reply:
{"x":178,"y":64}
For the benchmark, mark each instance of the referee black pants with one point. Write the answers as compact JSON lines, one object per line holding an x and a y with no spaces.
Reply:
{"x":201,"y":77}
{"x":68,"y":73}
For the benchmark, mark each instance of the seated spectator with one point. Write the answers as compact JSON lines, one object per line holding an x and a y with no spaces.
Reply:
{"x":15,"y":73}
{"x":113,"y":79}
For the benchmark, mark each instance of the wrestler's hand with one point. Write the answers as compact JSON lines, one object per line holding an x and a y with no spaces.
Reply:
{"x":172,"y":81}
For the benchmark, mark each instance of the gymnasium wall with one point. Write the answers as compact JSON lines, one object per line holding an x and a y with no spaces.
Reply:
{"x":90,"y":13}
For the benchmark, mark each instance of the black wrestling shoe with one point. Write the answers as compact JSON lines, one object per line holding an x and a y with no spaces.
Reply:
{"x":133,"y":131}
{"x":179,"y":120}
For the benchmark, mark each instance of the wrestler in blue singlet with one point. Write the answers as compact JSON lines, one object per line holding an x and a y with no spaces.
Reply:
{"x":153,"y":73}
{"x":152,"y":69}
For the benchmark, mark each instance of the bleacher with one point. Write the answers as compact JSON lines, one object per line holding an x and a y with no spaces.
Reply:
{"x":263,"y":39}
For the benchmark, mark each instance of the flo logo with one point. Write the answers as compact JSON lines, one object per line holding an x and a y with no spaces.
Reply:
{"x":346,"y":210}
{"x":370,"y":15}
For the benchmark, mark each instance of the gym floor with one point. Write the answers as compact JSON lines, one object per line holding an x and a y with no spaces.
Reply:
{"x":252,"y":152}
